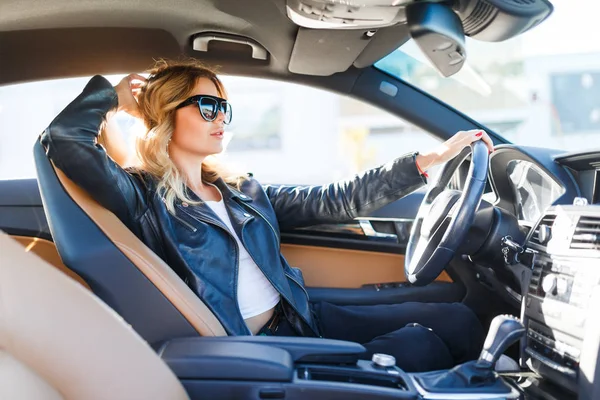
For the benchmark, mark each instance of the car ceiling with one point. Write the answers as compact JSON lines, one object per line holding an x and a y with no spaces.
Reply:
{"x":50,"y":39}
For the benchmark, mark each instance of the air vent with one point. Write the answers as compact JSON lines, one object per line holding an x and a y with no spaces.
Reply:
{"x":536,"y":275}
{"x":547,"y":220}
{"x":587,"y":234}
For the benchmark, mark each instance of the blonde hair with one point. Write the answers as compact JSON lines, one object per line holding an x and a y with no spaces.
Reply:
{"x":170,"y":83}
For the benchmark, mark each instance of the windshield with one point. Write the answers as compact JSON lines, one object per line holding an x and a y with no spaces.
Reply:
{"x":539,"y":89}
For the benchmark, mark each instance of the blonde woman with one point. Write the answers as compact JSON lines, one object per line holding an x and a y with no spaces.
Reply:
{"x":221,"y":232}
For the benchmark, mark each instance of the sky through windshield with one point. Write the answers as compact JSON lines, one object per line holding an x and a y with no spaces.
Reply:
{"x":541,"y":88}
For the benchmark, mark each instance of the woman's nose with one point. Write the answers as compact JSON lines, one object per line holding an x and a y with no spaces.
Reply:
{"x":220,"y":117}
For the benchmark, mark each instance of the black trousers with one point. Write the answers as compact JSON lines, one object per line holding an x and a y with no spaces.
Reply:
{"x":421,"y":336}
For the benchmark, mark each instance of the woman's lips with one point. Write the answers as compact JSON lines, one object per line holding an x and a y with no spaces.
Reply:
{"x":218,"y":134}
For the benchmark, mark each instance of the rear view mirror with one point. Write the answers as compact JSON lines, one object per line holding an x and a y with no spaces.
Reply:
{"x":438,"y":32}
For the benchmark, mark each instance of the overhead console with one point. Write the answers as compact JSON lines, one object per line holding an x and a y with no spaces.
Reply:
{"x":560,"y":308}
{"x":439,"y":28}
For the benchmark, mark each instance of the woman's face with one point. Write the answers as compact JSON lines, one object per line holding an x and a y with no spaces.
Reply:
{"x":193,"y":134}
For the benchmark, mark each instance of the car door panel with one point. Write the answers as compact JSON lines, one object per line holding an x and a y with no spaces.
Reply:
{"x":346,"y":268}
{"x":362,"y":261}
{"x":22,"y":218}
{"x":21,"y":209}
{"x":390,"y":225}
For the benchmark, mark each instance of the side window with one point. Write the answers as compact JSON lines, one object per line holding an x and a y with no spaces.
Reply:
{"x":288,"y":133}
{"x":25,"y":111}
{"x":281,"y":132}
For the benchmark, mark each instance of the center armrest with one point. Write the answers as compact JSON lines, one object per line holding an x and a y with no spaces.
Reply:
{"x":301,"y":349}
{"x":195,"y":358}
{"x":280,"y":367}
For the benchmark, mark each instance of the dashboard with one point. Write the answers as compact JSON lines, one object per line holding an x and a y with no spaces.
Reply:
{"x":527,"y":180}
{"x":534,"y":189}
{"x":556,"y":199}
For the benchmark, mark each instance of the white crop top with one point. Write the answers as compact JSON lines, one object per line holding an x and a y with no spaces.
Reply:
{"x":255,"y":293}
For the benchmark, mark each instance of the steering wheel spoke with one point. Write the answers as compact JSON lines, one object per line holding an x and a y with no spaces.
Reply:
{"x":444,"y":217}
{"x":427,"y":245}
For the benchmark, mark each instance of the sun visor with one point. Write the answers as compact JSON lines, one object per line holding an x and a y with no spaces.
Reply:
{"x":324,"y":52}
{"x":382,"y":43}
{"x":335,"y":34}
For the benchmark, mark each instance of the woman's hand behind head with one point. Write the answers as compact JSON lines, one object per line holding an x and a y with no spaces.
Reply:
{"x":128,"y":90}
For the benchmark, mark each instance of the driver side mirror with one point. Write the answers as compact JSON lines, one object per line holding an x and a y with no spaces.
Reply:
{"x":439,"y":33}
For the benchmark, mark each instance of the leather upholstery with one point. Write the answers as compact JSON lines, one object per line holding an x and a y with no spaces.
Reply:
{"x":91,"y":253}
{"x":58,"y":341}
{"x":46,"y":250}
{"x":155,"y":269}
{"x":257,"y":212}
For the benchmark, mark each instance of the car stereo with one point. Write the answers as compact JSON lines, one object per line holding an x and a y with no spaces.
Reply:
{"x":560,"y":306}
{"x":556,"y":304}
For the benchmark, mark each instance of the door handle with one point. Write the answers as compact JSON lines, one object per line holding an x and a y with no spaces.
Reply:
{"x":369,"y":231}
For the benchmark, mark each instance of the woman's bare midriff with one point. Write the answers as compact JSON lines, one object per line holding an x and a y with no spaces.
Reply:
{"x":258,"y":321}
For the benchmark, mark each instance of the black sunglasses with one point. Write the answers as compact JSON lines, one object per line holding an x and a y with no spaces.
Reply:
{"x":209,"y":107}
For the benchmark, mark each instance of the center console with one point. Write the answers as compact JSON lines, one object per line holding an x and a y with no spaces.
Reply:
{"x":262,"y":367}
{"x":562,"y":303}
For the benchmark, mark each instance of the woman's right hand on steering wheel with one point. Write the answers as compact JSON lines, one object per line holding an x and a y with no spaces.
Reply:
{"x":127,"y":91}
{"x":452,"y":147}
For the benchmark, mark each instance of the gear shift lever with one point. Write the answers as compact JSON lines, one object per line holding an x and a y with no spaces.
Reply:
{"x":478,"y":375}
{"x":504,"y":331}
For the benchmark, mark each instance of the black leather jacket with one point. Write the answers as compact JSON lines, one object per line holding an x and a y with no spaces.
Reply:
{"x":194,"y":242}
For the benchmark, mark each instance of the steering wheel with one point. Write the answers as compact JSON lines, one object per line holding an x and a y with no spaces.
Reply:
{"x":444,"y":217}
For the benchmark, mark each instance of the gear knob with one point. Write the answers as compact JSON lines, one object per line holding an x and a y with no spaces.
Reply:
{"x":504,"y":331}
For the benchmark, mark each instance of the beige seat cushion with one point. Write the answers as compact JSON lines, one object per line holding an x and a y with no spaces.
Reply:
{"x":57,"y":340}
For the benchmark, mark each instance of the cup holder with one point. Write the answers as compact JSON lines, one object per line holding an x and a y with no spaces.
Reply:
{"x":380,"y":379}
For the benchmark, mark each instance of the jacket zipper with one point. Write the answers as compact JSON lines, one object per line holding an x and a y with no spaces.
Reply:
{"x":207,"y":220}
{"x":185,"y":223}
{"x":237,"y":258}
{"x":267,"y":221}
{"x":255,"y":210}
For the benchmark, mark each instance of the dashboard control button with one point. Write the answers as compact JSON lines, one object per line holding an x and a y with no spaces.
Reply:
{"x":549,"y":283}
{"x":562,"y":286}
